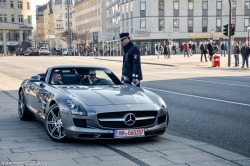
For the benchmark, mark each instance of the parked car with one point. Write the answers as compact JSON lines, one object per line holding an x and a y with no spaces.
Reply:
{"x":106,"y":109}
{"x":65,"y":51}
{"x":31,"y":51}
{"x":44,"y":51}
{"x":58,"y":52}
{"x":23,"y":47}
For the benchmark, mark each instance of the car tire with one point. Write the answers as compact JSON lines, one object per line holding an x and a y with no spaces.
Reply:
{"x":54,"y":125}
{"x":23,"y":112}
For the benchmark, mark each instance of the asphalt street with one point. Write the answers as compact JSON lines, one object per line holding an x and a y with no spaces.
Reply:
{"x":210,"y":105}
{"x":211,"y":109}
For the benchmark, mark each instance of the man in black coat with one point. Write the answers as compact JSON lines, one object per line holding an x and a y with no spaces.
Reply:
{"x":131,"y":69}
{"x":203,"y":49}
{"x":90,"y":79}
{"x":210,"y":50}
{"x":245,"y":51}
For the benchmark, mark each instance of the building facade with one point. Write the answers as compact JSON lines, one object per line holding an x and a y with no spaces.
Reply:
{"x":56,"y":22}
{"x":15,"y":24}
{"x":90,"y":22}
{"x":178,"y":21}
{"x":40,"y":35}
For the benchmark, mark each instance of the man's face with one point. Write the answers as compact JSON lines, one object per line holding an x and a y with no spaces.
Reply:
{"x":125,"y":41}
{"x":92,"y":75}
{"x":57,"y":78}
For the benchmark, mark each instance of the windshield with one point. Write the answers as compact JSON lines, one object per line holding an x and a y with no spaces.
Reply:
{"x":83,"y":76}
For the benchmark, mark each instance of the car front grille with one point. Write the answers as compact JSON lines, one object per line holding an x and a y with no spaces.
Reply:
{"x":116,"y":120}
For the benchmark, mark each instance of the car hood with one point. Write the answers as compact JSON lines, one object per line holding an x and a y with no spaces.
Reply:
{"x":109,"y":95}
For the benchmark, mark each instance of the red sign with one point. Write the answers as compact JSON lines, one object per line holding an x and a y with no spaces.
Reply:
{"x":142,"y":35}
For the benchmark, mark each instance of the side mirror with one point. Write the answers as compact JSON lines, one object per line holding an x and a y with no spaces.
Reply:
{"x":35,"y":78}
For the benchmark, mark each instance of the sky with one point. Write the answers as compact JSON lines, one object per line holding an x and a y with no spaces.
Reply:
{"x":33,"y":8}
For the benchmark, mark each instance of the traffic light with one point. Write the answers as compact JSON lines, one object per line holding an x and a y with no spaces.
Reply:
{"x":225,"y":30}
{"x":232,"y":29}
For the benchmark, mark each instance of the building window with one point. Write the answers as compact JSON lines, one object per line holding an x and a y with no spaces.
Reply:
{"x":28,"y":6}
{"x":12,"y":18}
{"x":143,"y":23}
{"x":3,"y":4}
{"x":190,"y":25}
{"x":126,"y":7}
{"x":3,"y":17}
{"x":11,"y":4}
{"x":204,"y":25}
{"x":218,"y":5}
{"x":247,"y":5}
{"x":161,"y":24}
{"x":205,"y":5}
{"x":143,"y":5}
{"x":176,"y":23}
{"x":161,"y":5}
{"x":20,"y":4}
{"x":190,"y":5}
{"x":29,"y":19}
{"x":20,"y":18}
{"x":123,"y":9}
{"x":14,"y":35}
{"x":176,"y":5}
{"x":218,"y":24}
{"x":247,"y":22}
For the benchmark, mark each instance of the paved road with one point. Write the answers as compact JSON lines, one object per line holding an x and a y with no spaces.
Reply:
{"x":207,"y":104}
{"x":211,"y":109}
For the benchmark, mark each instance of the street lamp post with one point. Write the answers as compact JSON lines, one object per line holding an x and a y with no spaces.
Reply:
{"x":212,"y":33}
{"x":248,"y":29}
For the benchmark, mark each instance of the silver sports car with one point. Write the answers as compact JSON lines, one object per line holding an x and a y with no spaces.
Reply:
{"x":89,"y":102}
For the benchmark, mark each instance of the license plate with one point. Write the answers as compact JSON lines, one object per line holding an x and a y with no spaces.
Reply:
{"x":129,"y":133}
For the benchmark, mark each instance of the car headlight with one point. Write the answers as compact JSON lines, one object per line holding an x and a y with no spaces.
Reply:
{"x":75,"y":108}
{"x":162,"y":103}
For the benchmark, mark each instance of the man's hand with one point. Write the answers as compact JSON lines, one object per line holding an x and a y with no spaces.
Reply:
{"x":135,"y":82}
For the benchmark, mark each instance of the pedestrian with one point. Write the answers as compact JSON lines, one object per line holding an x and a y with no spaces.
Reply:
{"x":245,"y":51}
{"x":186,"y":48}
{"x":236,"y":54}
{"x":131,"y":69}
{"x":174,"y":49}
{"x":194,"y":48}
{"x":169,"y":50}
{"x":223,"y":49}
{"x":158,"y":49}
{"x":190,"y":48}
{"x":203,"y":49}
{"x":165,"y":51}
{"x":215,"y":48}
{"x":181,"y":48}
{"x":210,"y":50}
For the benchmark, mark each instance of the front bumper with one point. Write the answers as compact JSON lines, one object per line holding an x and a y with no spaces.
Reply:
{"x":95,"y":133}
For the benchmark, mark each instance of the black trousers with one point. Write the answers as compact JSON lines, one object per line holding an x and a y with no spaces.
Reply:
{"x":203,"y":53}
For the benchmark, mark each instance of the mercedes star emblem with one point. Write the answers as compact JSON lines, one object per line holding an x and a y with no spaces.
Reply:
{"x":129,"y":119}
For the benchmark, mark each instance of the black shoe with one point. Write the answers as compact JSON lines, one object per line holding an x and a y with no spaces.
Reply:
{"x":242,"y":67}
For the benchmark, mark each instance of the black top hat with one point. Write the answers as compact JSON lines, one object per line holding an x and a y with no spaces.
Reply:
{"x":123,"y":35}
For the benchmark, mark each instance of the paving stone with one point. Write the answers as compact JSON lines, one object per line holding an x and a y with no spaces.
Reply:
{"x":164,"y":145}
{"x":221,"y":152}
{"x":90,"y":161}
{"x":213,"y":163}
{"x":34,"y":149}
{"x":181,"y":140}
{"x":243,"y":162}
{"x":195,"y":157}
{"x":128,"y":148}
{"x":116,"y":160}
{"x":90,"y":152}
{"x":180,"y":151}
{"x":152,"y":158}
{"x":45,"y":156}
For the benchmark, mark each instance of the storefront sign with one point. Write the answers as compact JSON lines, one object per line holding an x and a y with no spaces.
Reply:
{"x":12,"y":43}
{"x":142,"y":35}
{"x":24,"y":27}
{"x":206,"y":35}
